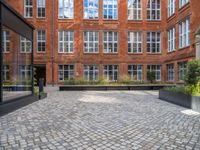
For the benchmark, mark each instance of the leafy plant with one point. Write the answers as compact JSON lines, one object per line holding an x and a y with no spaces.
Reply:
{"x":151,"y":76}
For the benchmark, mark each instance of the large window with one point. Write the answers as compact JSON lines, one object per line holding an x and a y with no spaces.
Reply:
{"x":28,"y":8}
{"x":25,"y":72}
{"x":25,"y":45}
{"x":110,"y":9}
{"x":184,"y":33}
{"x":65,"y":72}
{"x":171,"y":7}
{"x":170,"y":70}
{"x":6,"y":41}
{"x":134,"y":42}
{"x":91,"y":9}
{"x":111,"y":72}
{"x":91,"y":72}
{"x":6,"y":75}
{"x":41,"y":4}
{"x":156,"y":69}
{"x":183,"y":2}
{"x":182,"y":70}
{"x":66,"y":41}
{"x":153,"y":42}
{"x":41,"y":40}
{"x":135,"y":72}
{"x":171,"y":39}
{"x":134,"y":10}
{"x":154,"y":10}
{"x":91,"y":42}
{"x":66,"y":9}
{"x":110,"y":42}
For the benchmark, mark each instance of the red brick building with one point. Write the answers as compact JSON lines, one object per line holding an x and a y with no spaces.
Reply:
{"x":111,"y":39}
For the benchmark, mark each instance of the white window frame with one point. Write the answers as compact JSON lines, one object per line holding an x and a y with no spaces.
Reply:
{"x":27,"y":48}
{"x":157,"y":10}
{"x":91,"y":72}
{"x":91,"y":39}
{"x":171,"y":39}
{"x":157,"y":69}
{"x":41,"y":39}
{"x":113,"y":42}
{"x":156,"y":43}
{"x":184,"y":33}
{"x":67,"y":45}
{"x":65,"y":9}
{"x":70,"y":72}
{"x":134,"y":9}
{"x":135,"y":39}
{"x":41,"y":5}
{"x":27,"y":69}
{"x":183,"y":3}
{"x":89,"y":11}
{"x":171,"y":7}
{"x":170,"y":72}
{"x":182,"y":67}
{"x":29,"y":8}
{"x":135,"y":70}
{"x":115,"y":69}
{"x":106,"y":9}
{"x":6,"y":41}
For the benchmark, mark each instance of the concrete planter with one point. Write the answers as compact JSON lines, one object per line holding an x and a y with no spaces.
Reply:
{"x":192,"y":102}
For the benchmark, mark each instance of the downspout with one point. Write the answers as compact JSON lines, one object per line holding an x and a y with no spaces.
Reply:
{"x":52,"y":42}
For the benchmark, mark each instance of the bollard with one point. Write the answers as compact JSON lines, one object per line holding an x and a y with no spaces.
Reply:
{"x":41,"y":85}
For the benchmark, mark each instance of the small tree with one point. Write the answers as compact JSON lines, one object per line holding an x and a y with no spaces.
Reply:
{"x":151,"y":76}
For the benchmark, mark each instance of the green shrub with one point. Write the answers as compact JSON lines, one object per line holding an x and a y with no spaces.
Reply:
{"x":151,"y":76}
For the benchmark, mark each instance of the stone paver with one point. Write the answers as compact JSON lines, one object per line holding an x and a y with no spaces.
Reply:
{"x":110,"y":120}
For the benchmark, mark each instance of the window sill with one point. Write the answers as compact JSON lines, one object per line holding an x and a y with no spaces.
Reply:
{"x":182,"y":8}
{"x":154,"y":53}
{"x":171,"y":17}
{"x":135,"y":53}
{"x":183,"y":48}
{"x":173,"y":51}
{"x":91,"y":53}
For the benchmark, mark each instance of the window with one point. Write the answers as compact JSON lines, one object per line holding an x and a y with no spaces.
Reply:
{"x":171,"y":39}
{"x":28,"y":8}
{"x":91,"y":9}
{"x":110,"y":9}
{"x":184,"y":33}
{"x":170,"y":69}
{"x":153,"y":42}
{"x":154,"y":10}
{"x":182,"y":70}
{"x":65,"y":72}
{"x":41,"y":41}
{"x":91,"y":72}
{"x":111,"y":72}
{"x":25,"y":45}
{"x":25,"y":72}
{"x":66,"y":9}
{"x":171,"y":7}
{"x":110,"y":42}
{"x":6,"y":41}
{"x":41,"y":8}
{"x":135,"y":72}
{"x":183,"y":2}
{"x":134,"y":42}
{"x":6,"y":75}
{"x":91,"y":42}
{"x":156,"y":69}
{"x":66,"y":41}
{"x":134,"y":10}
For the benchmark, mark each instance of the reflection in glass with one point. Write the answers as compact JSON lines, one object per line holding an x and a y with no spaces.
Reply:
{"x":91,"y":9}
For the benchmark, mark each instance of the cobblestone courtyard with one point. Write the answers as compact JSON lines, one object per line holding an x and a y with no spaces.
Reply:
{"x":110,"y":120}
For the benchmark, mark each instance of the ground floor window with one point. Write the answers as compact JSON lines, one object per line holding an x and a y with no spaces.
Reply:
{"x":135,"y":72}
{"x":182,"y":70}
{"x":156,"y":69}
{"x":91,"y":72}
{"x":6,"y":76}
{"x":65,"y":72}
{"x":25,"y":72}
{"x":111,"y":72}
{"x":170,"y":70}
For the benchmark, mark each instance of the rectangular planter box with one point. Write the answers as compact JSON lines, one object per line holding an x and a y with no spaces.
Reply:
{"x":110,"y":87}
{"x":181,"y":99}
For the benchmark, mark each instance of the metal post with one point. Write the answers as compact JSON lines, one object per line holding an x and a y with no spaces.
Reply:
{"x":53,"y":43}
{"x":32,"y":62}
{"x":1,"y":60}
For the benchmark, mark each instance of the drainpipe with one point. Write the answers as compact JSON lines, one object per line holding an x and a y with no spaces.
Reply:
{"x":198,"y":46}
{"x":53,"y":42}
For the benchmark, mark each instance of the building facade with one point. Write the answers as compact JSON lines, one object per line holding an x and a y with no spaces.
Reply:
{"x":111,"y":39}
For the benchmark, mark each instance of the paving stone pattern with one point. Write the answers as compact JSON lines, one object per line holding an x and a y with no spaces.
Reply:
{"x":110,"y":120}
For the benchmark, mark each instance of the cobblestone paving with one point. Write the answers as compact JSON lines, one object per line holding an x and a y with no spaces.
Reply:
{"x":110,"y":120}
